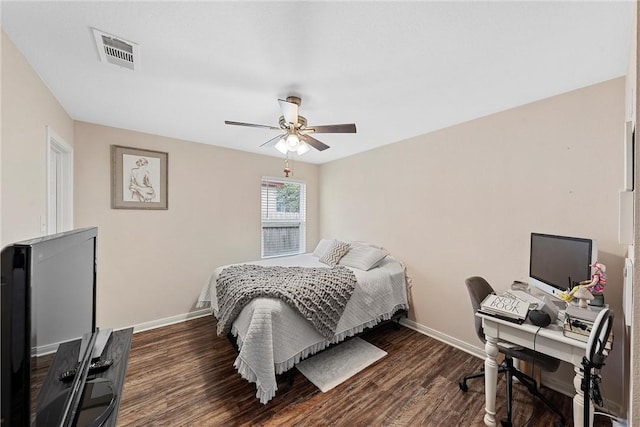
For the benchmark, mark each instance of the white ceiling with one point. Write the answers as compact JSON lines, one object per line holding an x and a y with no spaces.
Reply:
{"x":396,"y":69}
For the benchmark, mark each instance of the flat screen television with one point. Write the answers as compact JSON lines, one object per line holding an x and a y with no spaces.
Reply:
{"x":48,"y":297}
{"x":556,"y":263}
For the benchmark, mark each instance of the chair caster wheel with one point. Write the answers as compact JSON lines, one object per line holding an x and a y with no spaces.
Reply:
{"x":505,"y":423}
{"x":463,"y":386}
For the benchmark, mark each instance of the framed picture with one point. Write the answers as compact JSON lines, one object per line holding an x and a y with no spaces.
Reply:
{"x":138,"y":178}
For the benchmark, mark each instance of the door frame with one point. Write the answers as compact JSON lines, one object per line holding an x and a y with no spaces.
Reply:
{"x":62,"y":214}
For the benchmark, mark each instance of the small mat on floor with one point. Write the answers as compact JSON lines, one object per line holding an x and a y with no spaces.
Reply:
{"x":333,"y":366}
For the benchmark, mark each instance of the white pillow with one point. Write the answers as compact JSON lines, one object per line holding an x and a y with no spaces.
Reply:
{"x":363,"y":243}
{"x":323,"y":247}
{"x":363,"y":257}
{"x":335,"y":252}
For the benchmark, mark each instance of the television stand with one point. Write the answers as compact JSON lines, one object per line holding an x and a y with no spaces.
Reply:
{"x":66,"y":358}
{"x":98,"y":347}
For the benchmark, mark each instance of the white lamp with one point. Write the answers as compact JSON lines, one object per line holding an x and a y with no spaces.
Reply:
{"x":282,"y":147}
{"x":302,"y":148}
{"x":293,"y":141}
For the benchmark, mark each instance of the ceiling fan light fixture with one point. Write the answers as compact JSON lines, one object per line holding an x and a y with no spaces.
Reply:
{"x":293,"y":141}
{"x":296,"y":136}
{"x":282,"y":146}
{"x":302,"y":148}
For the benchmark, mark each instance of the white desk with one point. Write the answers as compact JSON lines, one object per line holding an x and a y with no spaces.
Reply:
{"x":549,"y":341}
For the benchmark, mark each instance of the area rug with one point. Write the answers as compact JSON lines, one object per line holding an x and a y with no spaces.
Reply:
{"x":330,"y":368}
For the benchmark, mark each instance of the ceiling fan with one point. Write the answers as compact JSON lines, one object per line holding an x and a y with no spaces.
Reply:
{"x":296,"y":131}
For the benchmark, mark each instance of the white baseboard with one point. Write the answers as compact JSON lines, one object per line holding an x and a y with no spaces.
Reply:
{"x":454,"y":342}
{"x":45,"y":349}
{"x":52,"y":348}
{"x":567,"y":389}
{"x":146,"y":326}
{"x":548,"y":380}
{"x":551,"y":382}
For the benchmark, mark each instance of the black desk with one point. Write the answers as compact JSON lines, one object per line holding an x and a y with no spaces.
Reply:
{"x":67,"y":358}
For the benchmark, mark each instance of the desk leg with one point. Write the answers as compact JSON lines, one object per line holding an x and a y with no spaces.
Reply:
{"x":490,"y":381}
{"x":579,"y":400}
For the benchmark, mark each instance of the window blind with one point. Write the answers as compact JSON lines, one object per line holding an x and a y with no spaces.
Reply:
{"x":283,"y":217}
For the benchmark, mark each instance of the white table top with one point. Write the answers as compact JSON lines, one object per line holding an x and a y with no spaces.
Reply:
{"x":550,"y":340}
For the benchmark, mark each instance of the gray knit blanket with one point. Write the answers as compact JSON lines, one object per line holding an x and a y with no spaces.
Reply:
{"x":319,"y":294}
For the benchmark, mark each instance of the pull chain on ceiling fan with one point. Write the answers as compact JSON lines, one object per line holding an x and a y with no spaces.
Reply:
{"x":296,"y":136}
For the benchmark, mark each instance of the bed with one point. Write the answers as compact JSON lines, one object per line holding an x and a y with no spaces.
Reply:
{"x":272,"y":336}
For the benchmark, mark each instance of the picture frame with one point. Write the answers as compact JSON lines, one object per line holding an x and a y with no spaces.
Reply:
{"x":139,"y":178}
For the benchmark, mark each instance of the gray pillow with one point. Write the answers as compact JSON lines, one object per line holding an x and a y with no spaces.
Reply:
{"x":335,"y":252}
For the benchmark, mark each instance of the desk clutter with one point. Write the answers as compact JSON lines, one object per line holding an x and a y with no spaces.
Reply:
{"x":578,"y":323}
{"x":516,"y":305}
{"x":505,"y":307}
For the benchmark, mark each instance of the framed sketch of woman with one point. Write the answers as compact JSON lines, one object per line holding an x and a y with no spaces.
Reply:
{"x":138,"y":178}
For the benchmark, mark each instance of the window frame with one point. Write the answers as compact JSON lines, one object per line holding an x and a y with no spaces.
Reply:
{"x":288,"y":221}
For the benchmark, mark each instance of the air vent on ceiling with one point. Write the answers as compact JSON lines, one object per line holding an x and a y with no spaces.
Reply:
{"x":116,"y":50}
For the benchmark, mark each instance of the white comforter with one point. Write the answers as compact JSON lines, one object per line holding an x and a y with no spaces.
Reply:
{"x":273,"y":337}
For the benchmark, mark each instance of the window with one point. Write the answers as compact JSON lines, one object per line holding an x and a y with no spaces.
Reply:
{"x":283,"y":217}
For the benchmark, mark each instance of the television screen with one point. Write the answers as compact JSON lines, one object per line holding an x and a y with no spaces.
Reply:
{"x":48,"y":298}
{"x":558,"y":262}
{"x":62,"y":291}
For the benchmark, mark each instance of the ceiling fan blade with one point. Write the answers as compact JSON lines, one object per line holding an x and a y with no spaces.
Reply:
{"x":251,"y":125}
{"x":320,"y":146}
{"x":289,"y":111}
{"x":273,"y":141}
{"x":343,"y":128}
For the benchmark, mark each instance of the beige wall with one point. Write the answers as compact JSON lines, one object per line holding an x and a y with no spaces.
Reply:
{"x":450,"y":204}
{"x":28,"y":107}
{"x":153,"y":264}
{"x":463,"y":201}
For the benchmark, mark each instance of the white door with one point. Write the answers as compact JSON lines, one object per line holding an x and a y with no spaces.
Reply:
{"x":59,"y":184}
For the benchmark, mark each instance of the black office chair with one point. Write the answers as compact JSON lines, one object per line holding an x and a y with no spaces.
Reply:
{"x":478,"y":289}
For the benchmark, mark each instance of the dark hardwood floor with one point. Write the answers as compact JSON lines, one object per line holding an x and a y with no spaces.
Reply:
{"x":183,"y":375}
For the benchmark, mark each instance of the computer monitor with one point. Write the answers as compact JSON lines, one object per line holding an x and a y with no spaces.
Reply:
{"x":557,"y":263}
